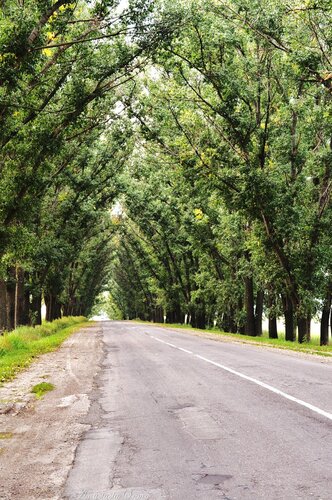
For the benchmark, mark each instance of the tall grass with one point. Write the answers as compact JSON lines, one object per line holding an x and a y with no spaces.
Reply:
{"x":19,"y":347}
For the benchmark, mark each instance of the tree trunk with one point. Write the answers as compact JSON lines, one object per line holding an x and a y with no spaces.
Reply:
{"x":3,"y":306}
{"x":174,"y":315}
{"x":224,"y":324}
{"x":53,"y":307}
{"x":48,"y":303}
{"x":324,"y":322}
{"x":249,"y":307}
{"x":259,"y":313}
{"x":273,"y":328}
{"x":308,"y":328}
{"x":36,"y":317}
{"x":159,"y":313}
{"x":19,"y":315}
{"x":57,"y":313}
{"x":200,"y":319}
{"x":10,"y":300}
{"x":66,"y":309}
{"x":290,"y":333}
{"x":169,"y":316}
{"x":26,"y":310}
{"x":302,"y":324}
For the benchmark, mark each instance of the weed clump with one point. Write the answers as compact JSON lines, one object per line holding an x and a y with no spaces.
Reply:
{"x":41,"y":389}
{"x":6,"y":435}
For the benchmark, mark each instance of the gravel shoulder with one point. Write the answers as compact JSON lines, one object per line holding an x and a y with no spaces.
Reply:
{"x":38,"y":438}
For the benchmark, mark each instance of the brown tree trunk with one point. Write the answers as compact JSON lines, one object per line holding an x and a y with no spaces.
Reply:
{"x":19,"y":315}
{"x":159,"y":314}
{"x":49,"y":306}
{"x":302,"y":325}
{"x":66,"y":309}
{"x":53,"y":307}
{"x":290,"y":333}
{"x":259,"y":313}
{"x":36,"y":317}
{"x":174,"y":315}
{"x":10,"y":300}
{"x":57,"y":313}
{"x":27,"y":306}
{"x":249,"y":307}
{"x":225,"y":323}
{"x":308,"y":328}
{"x":3,"y":306}
{"x":324,"y":322}
{"x":273,"y":327}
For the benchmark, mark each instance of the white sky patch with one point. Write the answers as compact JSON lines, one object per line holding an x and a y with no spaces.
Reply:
{"x":117,"y":209}
{"x":123,"y":5}
{"x":154,"y":73}
{"x":118,"y":107}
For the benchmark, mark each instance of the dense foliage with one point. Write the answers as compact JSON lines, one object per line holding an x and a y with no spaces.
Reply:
{"x":210,"y":124}
{"x":65,"y":70}
{"x":228,"y":192}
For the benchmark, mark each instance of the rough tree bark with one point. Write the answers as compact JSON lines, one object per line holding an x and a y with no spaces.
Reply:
{"x":324,"y":322}
{"x":10,"y":299}
{"x":36,"y":303}
{"x":3,"y":306}
{"x":249,"y":307}
{"x":290,"y":333}
{"x":19,"y":314}
{"x":259,"y":313}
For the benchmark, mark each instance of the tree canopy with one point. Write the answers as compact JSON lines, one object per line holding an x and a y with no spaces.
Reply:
{"x":207,"y":124}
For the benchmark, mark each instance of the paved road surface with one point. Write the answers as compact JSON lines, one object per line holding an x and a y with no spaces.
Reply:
{"x":201,"y":419}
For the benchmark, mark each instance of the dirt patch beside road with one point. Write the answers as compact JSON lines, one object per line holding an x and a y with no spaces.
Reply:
{"x":38,"y":438}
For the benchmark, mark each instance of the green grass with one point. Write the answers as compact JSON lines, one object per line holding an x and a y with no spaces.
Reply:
{"x":19,"y":348}
{"x":41,"y":389}
{"x":311,"y":347}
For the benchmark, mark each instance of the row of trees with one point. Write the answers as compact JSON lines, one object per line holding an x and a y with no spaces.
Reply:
{"x":65,"y":70}
{"x":226,"y":196}
{"x":210,"y":122}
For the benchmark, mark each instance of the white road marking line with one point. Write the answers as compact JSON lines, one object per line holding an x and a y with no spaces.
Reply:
{"x":171,"y":345}
{"x":270,"y":388}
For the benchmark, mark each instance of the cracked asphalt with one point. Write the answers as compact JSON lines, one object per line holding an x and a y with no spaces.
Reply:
{"x":178,"y":415}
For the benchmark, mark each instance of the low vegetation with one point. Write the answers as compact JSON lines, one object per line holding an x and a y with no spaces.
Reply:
{"x":5,"y":435}
{"x":19,"y":347}
{"x":41,"y":389}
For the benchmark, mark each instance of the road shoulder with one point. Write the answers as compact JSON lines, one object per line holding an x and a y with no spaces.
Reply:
{"x":38,"y":438}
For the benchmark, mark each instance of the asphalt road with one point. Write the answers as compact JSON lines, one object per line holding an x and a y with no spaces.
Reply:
{"x":201,"y":419}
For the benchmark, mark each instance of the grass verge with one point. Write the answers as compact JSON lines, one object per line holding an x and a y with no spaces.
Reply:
{"x":19,"y":348}
{"x":311,"y":347}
